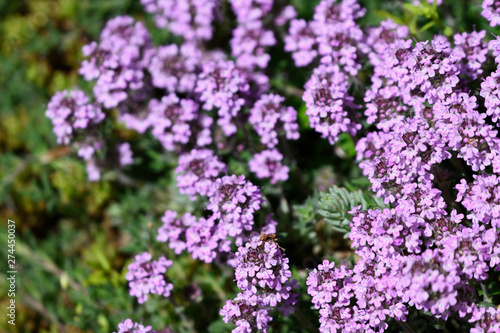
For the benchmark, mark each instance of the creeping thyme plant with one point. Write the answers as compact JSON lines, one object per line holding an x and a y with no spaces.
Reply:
{"x":412,"y":101}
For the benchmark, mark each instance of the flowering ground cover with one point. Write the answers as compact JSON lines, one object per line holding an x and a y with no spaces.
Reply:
{"x":273,"y":166}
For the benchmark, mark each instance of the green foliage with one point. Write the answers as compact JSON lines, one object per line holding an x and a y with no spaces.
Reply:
{"x":418,"y":18}
{"x":336,"y":204}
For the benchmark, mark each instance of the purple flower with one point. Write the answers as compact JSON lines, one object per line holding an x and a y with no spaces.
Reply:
{"x":197,"y":172}
{"x":174,"y":68}
{"x":250,"y":38}
{"x":267,"y":164}
{"x":170,"y":119}
{"x":264,"y":279}
{"x":332,"y":35}
{"x":73,"y":116}
{"x":195,"y":236}
{"x":125,"y":154}
{"x":118,"y":61}
{"x":474,"y":51}
{"x":128,"y":326}
{"x":147,"y":277}
{"x":330,"y":109}
{"x":380,"y":38}
{"x":233,"y":202}
{"x":93,"y":172}
{"x":482,"y":199}
{"x":287,"y":13}
{"x":491,"y":94}
{"x":491,"y":11}
{"x":302,"y":42}
{"x":270,"y":118}
{"x":222,"y":86}
{"x":191,"y":19}
{"x":76,"y":121}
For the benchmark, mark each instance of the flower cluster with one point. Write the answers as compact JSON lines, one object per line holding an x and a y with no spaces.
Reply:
{"x":128,"y":326}
{"x":491,"y":11}
{"x":233,"y":202}
{"x":174,"y":68}
{"x":332,"y":36}
{"x":191,"y":19}
{"x":482,"y":199}
{"x":77,"y":121}
{"x":197,"y":171}
{"x":118,"y":61}
{"x":431,"y":151}
{"x":75,"y":118}
{"x":170,"y":120}
{"x":147,"y":277}
{"x":330,"y":108}
{"x":267,"y":164}
{"x":250,"y":38}
{"x":222,"y":86}
{"x":270,"y":118}
{"x":419,"y":254}
{"x":198,"y":236}
{"x":187,"y":96}
{"x":333,"y":289}
{"x":263,"y":277}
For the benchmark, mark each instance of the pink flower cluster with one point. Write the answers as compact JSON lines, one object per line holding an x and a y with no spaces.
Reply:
{"x":431,"y":150}
{"x":250,"y":38}
{"x":263,"y":277}
{"x":421,"y":253}
{"x":232,"y":201}
{"x":491,"y":11}
{"x":128,"y":326}
{"x":191,"y":19}
{"x":78,"y":122}
{"x":332,"y":39}
{"x":147,"y":277}
{"x":117,"y":62}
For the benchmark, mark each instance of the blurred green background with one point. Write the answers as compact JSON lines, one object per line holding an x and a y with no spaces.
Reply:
{"x":74,"y":238}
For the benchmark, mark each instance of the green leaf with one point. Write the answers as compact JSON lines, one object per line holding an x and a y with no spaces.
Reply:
{"x":335,"y":205}
{"x":427,"y":26}
{"x":302,"y":117}
{"x":414,"y":10}
{"x":386,"y":15}
{"x":345,"y":142}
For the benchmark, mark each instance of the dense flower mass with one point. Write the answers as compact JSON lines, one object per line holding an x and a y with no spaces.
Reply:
{"x":263,"y":277}
{"x":174,"y":68}
{"x":221,"y":86}
{"x":147,"y":277}
{"x":491,"y":11}
{"x":267,"y":164}
{"x":270,"y":118}
{"x":72,"y":116}
{"x":250,"y":38}
{"x":234,"y":201}
{"x":423,"y":116}
{"x":197,"y":171}
{"x":191,"y":19}
{"x":118,"y":61}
